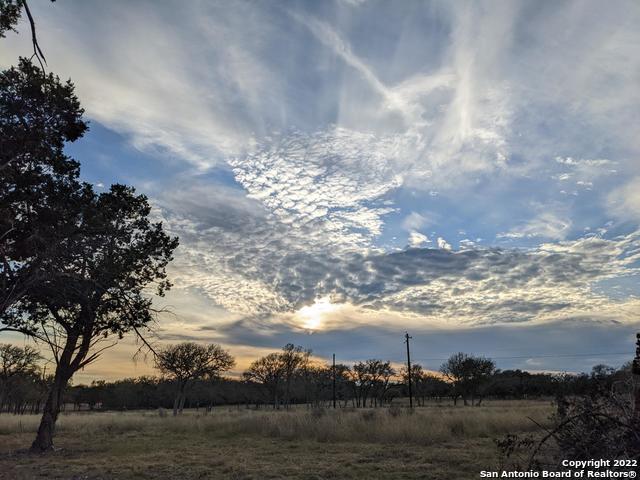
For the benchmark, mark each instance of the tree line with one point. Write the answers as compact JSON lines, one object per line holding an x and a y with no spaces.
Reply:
{"x":191,"y":377}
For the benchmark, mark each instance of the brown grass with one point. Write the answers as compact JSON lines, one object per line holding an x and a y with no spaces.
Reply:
{"x":231,"y":443}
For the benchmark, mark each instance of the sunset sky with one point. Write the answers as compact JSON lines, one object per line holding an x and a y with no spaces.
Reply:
{"x":339,"y":172}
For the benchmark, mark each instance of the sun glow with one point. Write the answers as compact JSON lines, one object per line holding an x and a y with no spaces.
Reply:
{"x":312,"y":316}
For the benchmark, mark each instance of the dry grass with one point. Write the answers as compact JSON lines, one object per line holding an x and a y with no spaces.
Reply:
{"x":260,"y":443}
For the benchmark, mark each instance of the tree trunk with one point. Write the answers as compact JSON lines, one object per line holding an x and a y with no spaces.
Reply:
{"x":44,"y":438}
{"x":183,"y":398}
{"x":176,"y":401}
{"x":64,"y":372}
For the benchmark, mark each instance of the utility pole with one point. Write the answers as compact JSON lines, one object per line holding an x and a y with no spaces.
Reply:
{"x":406,"y":340}
{"x":636,"y":374}
{"x":334,"y":380}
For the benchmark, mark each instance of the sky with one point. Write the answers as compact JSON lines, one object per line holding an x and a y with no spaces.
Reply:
{"x":340,"y":172}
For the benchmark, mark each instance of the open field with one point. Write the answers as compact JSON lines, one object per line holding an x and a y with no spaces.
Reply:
{"x":435,"y":442}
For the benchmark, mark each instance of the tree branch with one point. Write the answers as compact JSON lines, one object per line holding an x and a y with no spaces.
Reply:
{"x":37,"y":52}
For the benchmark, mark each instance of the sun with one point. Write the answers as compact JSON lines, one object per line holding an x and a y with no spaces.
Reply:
{"x":312,"y":316}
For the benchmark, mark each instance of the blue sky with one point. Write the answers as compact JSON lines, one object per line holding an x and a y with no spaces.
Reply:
{"x":342,"y":171}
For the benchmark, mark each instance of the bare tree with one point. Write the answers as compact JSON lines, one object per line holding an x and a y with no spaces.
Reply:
{"x":294,"y":359}
{"x":267,"y":371}
{"x":370,"y":380}
{"x":189,"y":361}
{"x":277,"y":371}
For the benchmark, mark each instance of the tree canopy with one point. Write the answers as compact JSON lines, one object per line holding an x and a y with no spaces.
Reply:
{"x":38,"y":182}
{"x":189,"y":361}
{"x":467,"y":373}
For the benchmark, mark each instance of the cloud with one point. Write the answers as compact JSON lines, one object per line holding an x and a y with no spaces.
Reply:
{"x":417,"y":239}
{"x":443,"y":244}
{"x":545,"y":225}
{"x":246,"y":259}
{"x":330,"y":183}
{"x":415,"y":221}
{"x":624,"y":201}
{"x":305,"y":139}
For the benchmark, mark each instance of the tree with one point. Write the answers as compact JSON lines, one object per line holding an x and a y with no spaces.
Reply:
{"x":267,"y":371}
{"x":38,"y":182}
{"x":15,"y":362}
{"x":371,"y":379}
{"x":293,"y":359}
{"x":277,"y":371}
{"x":189,"y":361}
{"x":108,"y":257}
{"x":467,"y":373}
{"x":425,"y":384}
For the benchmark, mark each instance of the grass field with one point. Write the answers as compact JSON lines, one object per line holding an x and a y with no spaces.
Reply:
{"x":435,"y":442}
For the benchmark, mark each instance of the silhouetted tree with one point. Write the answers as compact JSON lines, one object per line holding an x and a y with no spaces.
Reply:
{"x":99,"y":291}
{"x":15,"y":362}
{"x":276,"y":372}
{"x":189,"y":361}
{"x":370,"y":380}
{"x":267,"y":371}
{"x":38,"y":182}
{"x":9,"y":15}
{"x":293,"y":359}
{"x":425,"y":384}
{"x":467,"y":374}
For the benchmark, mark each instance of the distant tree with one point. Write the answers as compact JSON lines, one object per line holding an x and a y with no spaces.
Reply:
{"x":343,"y":383}
{"x":276,"y":372}
{"x":370,"y":380}
{"x":15,"y":362}
{"x":425,"y":384}
{"x":189,"y":361}
{"x":293,"y":359}
{"x":380,"y":375}
{"x":317,"y":380}
{"x":467,"y":374}
{"x":267,"y":371}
